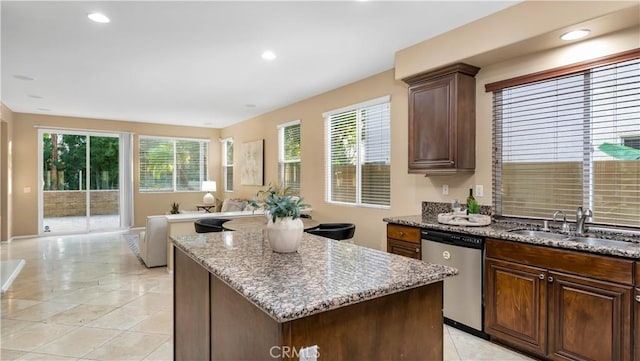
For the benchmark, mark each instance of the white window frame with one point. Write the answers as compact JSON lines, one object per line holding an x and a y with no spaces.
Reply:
{"x":204,"y":173}
{"x":327,"y":116}
{"x":225,"y":165}
{"x":281,"y":160}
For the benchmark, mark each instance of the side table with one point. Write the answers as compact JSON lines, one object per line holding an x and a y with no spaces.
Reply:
{"x":206,"y":207}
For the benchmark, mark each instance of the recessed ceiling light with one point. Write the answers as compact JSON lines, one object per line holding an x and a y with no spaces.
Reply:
{"x":269,"y":55}
{"x":99,"y":18}
{"x":250,"y":105}
{"x":23,"y":77}
{"x":35,"y":96}
{"x":575,"y":34}
{"x":44,"y":109}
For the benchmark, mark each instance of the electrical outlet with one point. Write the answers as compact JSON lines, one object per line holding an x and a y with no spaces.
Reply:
{"x":445,"y":189}
{"x":479,"y":190}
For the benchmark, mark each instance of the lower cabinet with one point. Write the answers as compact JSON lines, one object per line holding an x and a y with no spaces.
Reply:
{"x":516,"y":305}
{"x":403,"y":248}
{"x":588,"y":319}
{"x":404,"y":240}
{"x":636,"y":313}
{"x":555,"y":314}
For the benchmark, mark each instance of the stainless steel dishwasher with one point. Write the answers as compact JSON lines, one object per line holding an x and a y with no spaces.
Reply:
{"x":463,"y":294}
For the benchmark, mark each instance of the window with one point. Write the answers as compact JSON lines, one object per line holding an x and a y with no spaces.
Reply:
{"x":631,"y":142}
{"x":358,"y":154}
{"x":289,"y":156}
{"x":567,"y":141}
{"x":172,"y":165}
{"x":227,"y":164}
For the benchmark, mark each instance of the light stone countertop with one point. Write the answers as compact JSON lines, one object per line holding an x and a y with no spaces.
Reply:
{"x":628,"y":248}
{"x":323,"y":274}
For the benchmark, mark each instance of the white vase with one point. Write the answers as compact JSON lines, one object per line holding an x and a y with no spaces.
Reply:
{"x":285,"y":234}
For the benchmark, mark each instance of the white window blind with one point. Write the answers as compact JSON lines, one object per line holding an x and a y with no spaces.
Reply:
{"x":358,"y":154}
{"x":289,"y":156}
{"x":568,"y":141}
{"x":172,"y":165}
{"x":227,"y":164}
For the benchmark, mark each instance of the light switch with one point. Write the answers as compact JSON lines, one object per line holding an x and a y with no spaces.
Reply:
{"x":479,"y":190}
{"x":445,"y":189}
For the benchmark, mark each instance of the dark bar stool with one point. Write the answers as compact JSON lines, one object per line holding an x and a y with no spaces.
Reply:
{"x":337,"y":231}
{"x":207,"y":225}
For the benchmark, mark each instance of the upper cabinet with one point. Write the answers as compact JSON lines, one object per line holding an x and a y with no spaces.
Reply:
{"x":442,"y":120}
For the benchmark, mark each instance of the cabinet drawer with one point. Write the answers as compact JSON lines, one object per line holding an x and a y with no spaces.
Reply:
{"x":403,"y":233}
{"x":403,"y":248}
{"x":589,"y":265}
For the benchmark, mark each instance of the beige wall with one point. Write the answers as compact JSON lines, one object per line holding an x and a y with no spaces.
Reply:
{"x":407,"y":190}
{"x":6,"y":124}
{"x":517,"y":29}
{"x":25,"y":160}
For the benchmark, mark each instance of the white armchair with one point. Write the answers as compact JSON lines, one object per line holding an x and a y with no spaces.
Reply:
{"x":153,"y":242}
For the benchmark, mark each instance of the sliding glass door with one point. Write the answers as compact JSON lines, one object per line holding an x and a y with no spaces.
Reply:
{"x":80,"y":182}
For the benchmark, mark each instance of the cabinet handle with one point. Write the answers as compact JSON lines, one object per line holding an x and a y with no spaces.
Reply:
{"x":638,"y":298}
{"x":418,"y":251}
{"x":550,"y":279}
{"x":541,"y":276}
{"x":401,"y":233}
{"x":452,"y":162}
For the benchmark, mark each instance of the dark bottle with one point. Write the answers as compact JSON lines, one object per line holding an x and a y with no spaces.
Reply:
{"x":470,"y":197}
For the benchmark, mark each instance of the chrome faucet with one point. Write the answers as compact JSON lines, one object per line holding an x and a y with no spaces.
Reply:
{"x":565,"y":225}
{"x":581,"y":218}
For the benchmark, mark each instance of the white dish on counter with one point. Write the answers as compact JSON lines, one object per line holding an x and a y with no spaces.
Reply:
{"x":463,"y":219}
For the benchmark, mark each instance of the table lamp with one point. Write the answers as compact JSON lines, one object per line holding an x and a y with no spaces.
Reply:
{"x":208,"y":186}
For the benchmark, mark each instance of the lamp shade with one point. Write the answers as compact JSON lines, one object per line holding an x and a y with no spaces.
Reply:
{"x":209,"y":186}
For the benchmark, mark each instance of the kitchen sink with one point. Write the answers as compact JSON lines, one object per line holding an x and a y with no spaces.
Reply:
{"x":597,"y":241}
{"x":539,"y":234}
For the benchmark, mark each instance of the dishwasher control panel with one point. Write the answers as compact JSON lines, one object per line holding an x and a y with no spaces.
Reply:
{"x":453,"y":238}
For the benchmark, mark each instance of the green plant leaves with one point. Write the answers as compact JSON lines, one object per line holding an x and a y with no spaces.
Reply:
{"x":620,"y":151}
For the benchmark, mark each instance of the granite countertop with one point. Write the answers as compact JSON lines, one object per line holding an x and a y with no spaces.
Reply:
{"x":629,"y":247}
{"x":324,"y":274}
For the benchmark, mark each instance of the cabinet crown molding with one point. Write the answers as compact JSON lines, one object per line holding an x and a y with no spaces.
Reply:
{"x":449,"y":69}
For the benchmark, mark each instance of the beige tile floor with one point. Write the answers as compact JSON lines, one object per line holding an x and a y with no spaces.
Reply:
{"x":87,"y":297}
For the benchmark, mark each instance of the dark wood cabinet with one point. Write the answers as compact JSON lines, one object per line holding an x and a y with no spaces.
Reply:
{"x":442,"y":122}
{"x":191,"y":306}
{"x":516,"y":304}
{"x":557,"y":304}
{"x":404,"y":240}
{"x":588,"y":319}
{"x":636,"y":313}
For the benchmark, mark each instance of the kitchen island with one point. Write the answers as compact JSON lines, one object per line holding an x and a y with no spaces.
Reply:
{"x":234,"y":299}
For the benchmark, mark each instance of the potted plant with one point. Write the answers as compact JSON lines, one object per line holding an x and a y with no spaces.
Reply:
{"x":175,"y":208}
{"x":284,"y":226}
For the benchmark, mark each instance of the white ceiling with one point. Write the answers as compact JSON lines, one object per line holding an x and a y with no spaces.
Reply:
{"x":199,"y":63}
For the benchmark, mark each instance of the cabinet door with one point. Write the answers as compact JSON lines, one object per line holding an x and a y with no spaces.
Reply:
{"x":588,"y":319}
{"x":430,"y":127}
{"x":402,"y":248}
{"x":515,"y":305}
{"x":636,"y":332}
{"x":190,"y":309}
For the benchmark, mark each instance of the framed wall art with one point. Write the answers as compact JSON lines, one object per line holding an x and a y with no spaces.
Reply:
{"x":252,"y":163}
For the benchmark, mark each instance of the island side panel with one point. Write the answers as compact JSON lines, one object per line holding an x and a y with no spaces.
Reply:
{"x":239,"y":329}
{"x":401,"y":326}
{"x":190,"y":309}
